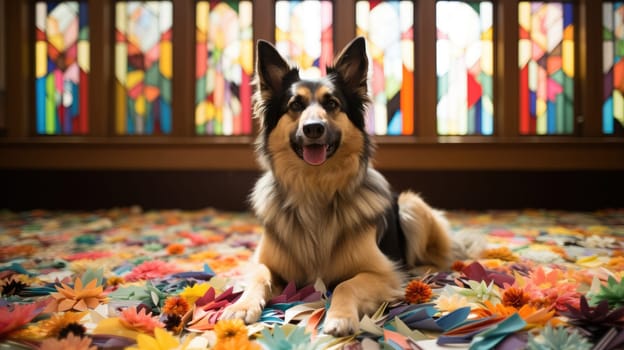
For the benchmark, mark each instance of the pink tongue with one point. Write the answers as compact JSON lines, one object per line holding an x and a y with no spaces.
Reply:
{"x":315,"y":154}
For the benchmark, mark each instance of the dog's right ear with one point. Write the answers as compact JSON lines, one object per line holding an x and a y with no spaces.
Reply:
{"x":271,"y":67}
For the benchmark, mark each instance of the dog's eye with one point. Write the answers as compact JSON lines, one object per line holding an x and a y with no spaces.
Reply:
{"x":330,"y":105}
{"x":295,"y":106}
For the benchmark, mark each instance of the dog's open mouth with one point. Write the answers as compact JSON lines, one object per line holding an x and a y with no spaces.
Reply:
{"x":314,"y":154}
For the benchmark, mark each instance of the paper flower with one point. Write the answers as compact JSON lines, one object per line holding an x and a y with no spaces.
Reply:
{"x":151,"y":270}
{"x":532,"y":316}
{"x":491,"y":309}
{"x":14,"y":316}
{"x":449,"y":300}
{"x":226,"y":329}
{"x":417,"y":292}
{"x":191,"y":294}
{"x":162,"y":340}
{"x":58,"y":325}
{"x":147,"y":295}
{"x":175,"y":305}
{"x":558,"y":338}
{"x":71,"y":342}
{"x":209,"y":308}
{"x":595,"y":320}
{"x":13,"y":285}
{"x":476,"y":272}
{"x":139,"y":320}
{"x":501,"y":253}
{"x":88,"y":256}
{"x":458,"y":265}
{"x":515,"y":297}
{"x":175,"y":248}
{"x":289,"y":337}
{"x":479,"y":292}
{"x":612,"y":293}
{"x":550,"y":289}
{"x":78,"y":298}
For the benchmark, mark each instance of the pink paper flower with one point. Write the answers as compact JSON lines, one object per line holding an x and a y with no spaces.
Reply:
{"x":14,"y":316}
{"x":151,"y":270}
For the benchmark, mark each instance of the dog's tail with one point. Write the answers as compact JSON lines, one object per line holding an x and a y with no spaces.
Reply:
{"x":430,"y":243}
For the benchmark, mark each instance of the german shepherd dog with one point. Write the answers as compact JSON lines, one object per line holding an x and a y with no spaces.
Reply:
{"x":327,"y":214}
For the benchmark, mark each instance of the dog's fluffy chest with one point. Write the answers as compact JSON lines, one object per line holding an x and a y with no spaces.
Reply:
{"x":309,"y":231}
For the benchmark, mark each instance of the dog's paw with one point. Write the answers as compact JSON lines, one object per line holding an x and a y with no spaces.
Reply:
{"x":247,"y":311}
{"x":341,"y":326}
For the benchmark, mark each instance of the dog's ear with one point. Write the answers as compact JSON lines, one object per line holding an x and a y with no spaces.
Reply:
{"x":352,"y":64}
{"x":271,"y":67}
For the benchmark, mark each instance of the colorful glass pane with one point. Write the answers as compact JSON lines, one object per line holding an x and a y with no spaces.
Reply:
{"x":464,"y":68}
{"x":613,"y":68}
{"x":224,"y":66}
{"x":303,"y":34}
{"x":143,"y":67}
{"x":61,"y":67}
{"x":546,"y":61}
{"x":389,"y":29}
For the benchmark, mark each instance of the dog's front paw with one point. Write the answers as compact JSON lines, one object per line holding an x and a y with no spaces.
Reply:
{"x":341,"y":326}
{"x":246,"y":310}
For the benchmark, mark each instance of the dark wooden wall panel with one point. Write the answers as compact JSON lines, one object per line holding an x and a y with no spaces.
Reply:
{"x":474,"y":190}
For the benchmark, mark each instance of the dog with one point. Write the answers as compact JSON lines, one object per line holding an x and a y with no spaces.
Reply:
{"x":327,"y":213}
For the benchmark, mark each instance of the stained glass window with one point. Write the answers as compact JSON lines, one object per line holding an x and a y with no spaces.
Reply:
{"x":143,"y":67}
{"x":224,"y":66}
{"x":61,"y":67}
{"x":546,"y":61}
{"x":303,"y":34}
{"x":613,"y":67}
{"x":389,"y":29}
{"x":464,"y":68}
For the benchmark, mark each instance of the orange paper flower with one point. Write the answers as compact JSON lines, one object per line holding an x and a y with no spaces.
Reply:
{"x":175,"y":305}
{"x":79,"y":298}
{"x":141,"y":321}
{"x":175,"y":248}
{"x":458,"y":266}
{"x":515,"y":297}
{"x":72,"y":342}
{"x":418,"y":292}
{"x":502,"y":253}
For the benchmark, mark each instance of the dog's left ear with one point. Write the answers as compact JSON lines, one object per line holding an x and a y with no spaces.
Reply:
{"x":352,"y":65}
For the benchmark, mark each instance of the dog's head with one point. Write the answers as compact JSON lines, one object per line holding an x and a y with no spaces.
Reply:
{"x":308,"y":124}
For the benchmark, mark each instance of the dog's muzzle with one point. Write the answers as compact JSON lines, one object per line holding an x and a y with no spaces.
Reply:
{"x":314,"y":142}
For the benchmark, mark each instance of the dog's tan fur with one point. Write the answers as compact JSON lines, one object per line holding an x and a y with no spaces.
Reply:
{"x":321,"y":222}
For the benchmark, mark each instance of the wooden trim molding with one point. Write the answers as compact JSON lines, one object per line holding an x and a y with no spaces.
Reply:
{"x":223,"y":154}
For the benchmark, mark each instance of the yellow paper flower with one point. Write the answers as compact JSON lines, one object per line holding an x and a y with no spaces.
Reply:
{"x":232,"y":334}
{"x":51,"y":327}
{"x":79,"y":298}
{"x":191,"y":294}
{"x":225,"y":329}
{"x":162,"y":340}
{"x":451,"y":302}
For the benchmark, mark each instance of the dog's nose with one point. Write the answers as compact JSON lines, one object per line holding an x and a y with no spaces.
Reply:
{"x":314,"y":129}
